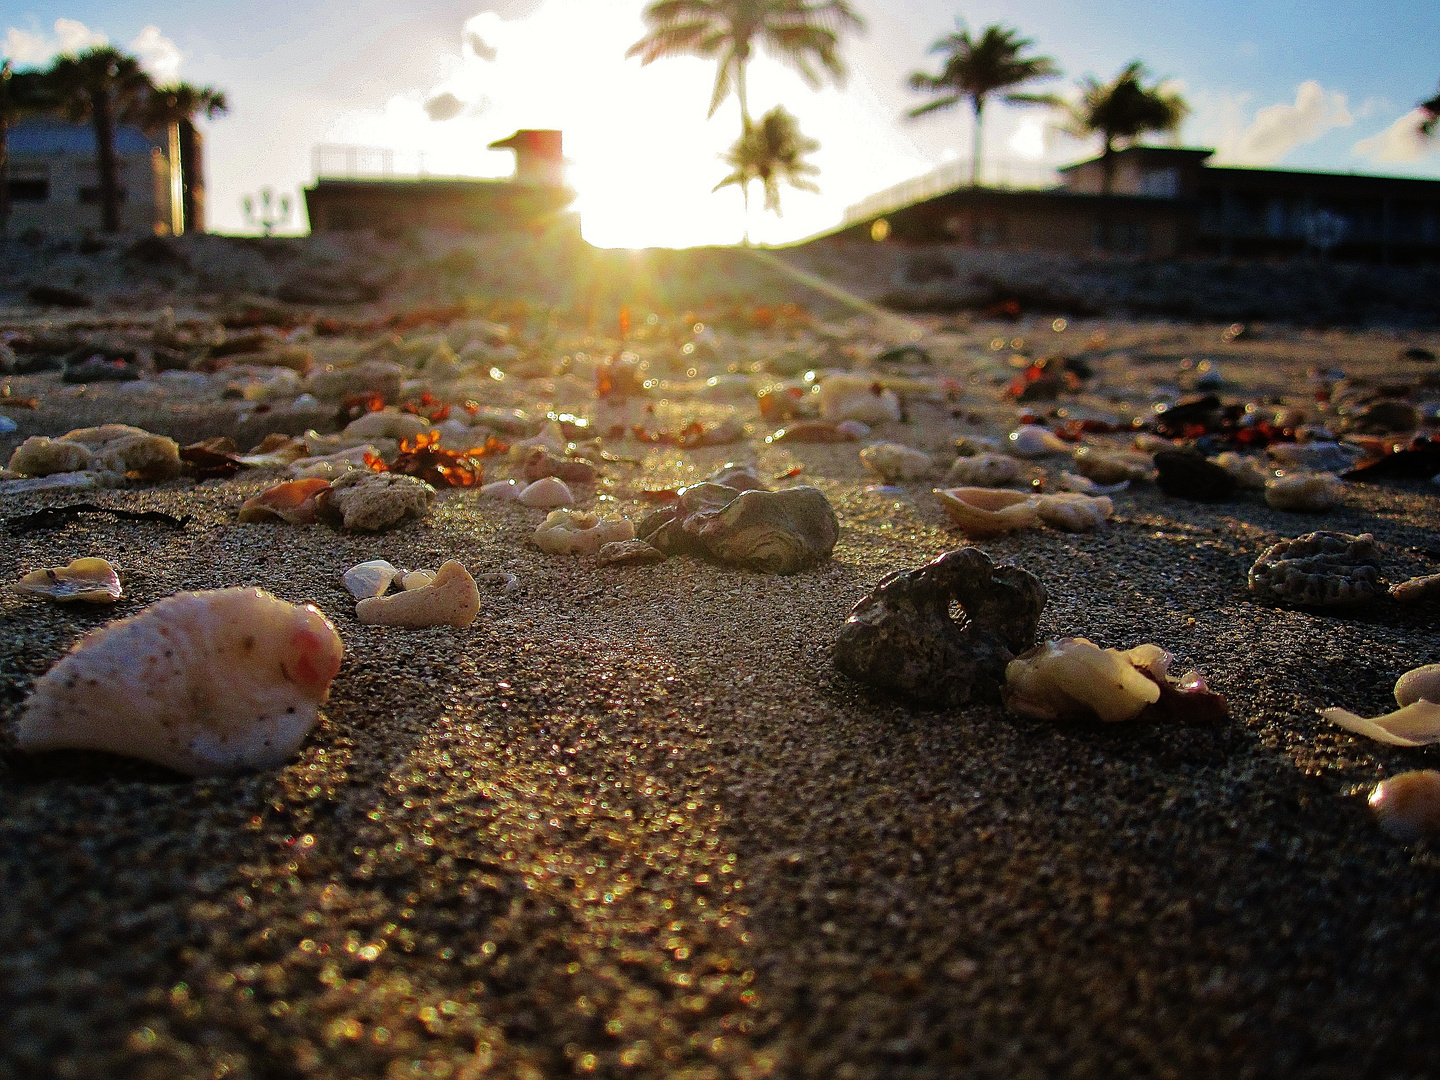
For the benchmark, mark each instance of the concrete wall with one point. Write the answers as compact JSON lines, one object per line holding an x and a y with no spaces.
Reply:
{"x":70,"y":186}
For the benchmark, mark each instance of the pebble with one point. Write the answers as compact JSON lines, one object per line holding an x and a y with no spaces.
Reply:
{"x":7,"y":425}
{"x":502,"y":489}
{"x":628,"y":553}
{"x":1417,"y":590}
{"x":892,"y":461}
{"x":370,"y":578}
{"x":1033,"y":441}
{"x":1407,"y":805}
{"x":856,"y":397}
{"x":1422,"y":683}
{"x":387,"y":423}
{"x":546,"y":493}
{"x":1304,"y":493}
{"x":452,"y":599}
{"x":1184,"y":474}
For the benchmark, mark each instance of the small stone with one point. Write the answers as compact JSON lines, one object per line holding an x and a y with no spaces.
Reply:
{"x":1112,"y":467}
{"x":1418,"y":684}
{"x":546,"y":493}
{"x":1319,"y":569}
{"x":628,"y":553}
{"x":1321,"y":456}
{"x":369,"y":501}
{"x":855,"y":397}
{"x":540,"y":463}
{"x":1184,"y":474}
{"x":502,"y":489}
{"x":892,"y":461}
{"x":129,"y":451}
{"x":370,"y":578}
{"x":1408,"y":805}
{"x":986,"y":470}
{"x":1417,"y":590}
{"x":387,"y":423}
{"x":452,"y":599}
{"x":1304,"y":493}
{"x":1033,"y":441}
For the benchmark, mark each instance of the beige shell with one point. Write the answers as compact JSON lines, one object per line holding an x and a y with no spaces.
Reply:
{"x":579,"y":532}
{"x":452,"y":599}
{"x":1408,"y":805}
{"x":91,"y":580}
{"x":1073,"y":512}
{"x":1075,"y":678}
{"x":1304,"y":493}
{"x":895,"y":461}
{"x":984,"y":512}
{"x":202,"y":682}
{"x":985,"y":470}
{"x":1417,"y":684}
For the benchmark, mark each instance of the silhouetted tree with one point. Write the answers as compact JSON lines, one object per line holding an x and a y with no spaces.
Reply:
{"x":174,"y":110}
{"x":772,"y":152}
{"x":1124,"y":109}
{"x":106,"y":88}
{"x":1431,"y":109}
{"x":22,"y":93}
{"x":975,"y":68}
{"x":804,"y":34}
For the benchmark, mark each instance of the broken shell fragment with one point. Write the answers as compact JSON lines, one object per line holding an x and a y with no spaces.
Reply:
{"x":1073,"y":512}
{"x":1408,"y":805}
{"x":1417,"y":724}
{"x":893,"y":461}
{"x":293,"y":502}
{"x":1032,"y":440}
{"x":1304,"y":493}
{"x":452,"y":599}
{"x":579,"y":532}
{"x":416,"y":579}
{"x":986,"y":512}
{"x":370,"y":578}
{"x":91,"y":580}
{"x":202,"y":682}
{"x":984,"y":470}
{"x":1319,"y":569}
{"x":902,"y":638}
{"x":1112,"y":467}
{"x":546,"y":493}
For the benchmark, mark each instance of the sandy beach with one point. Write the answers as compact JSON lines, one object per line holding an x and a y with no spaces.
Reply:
{"x":633,"y":822}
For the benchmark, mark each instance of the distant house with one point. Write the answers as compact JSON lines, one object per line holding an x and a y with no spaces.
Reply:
{"x":534,"y":198}
{"x":1166,"y":201}
{"x":55,"y":183}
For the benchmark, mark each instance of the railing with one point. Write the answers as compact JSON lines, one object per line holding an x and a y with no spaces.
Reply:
{"x":1008,"y":175}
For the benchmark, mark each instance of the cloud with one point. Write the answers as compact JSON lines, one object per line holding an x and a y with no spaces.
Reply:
{"x":26,"y":48}
{"x":158,"y":55}
{"x":74,"y":37}
{"x":444,"y":106}
{"x":1401,"y":141}
{"x":71,"y":37}
{"x":479,"y":47}
{"x":1278,"y":129}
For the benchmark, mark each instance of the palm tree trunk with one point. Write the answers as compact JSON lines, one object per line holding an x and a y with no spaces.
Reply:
{"x":1107,"y":164}
{"x":743,"y":96}
{"x":4,"y":176}
{"x":104,"y":122}
{"x":979,"y":105}
{"x":745,"y":196}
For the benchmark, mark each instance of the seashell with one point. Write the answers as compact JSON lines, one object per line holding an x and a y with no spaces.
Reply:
{"x":628,"y":553}
{"x":502,"y":489}
{"x":892,"y":461}
{"x":368,"y":579}
{"x":1112,"y":467}
{"x":540,"y":463}
{"x":201,"y":682}
{"x":1421,"y":683}
{"x":387,"y":423}
{"x":1319,"y":569}
{"x":333,"y":466}
{"x":1416,"y":590}
{"x":1408,"y":804}
{"x":545,"y":493}
{"x":129,"y":451}
{"x":855,"y":397}
{"x":853,"y":429}
{"x":1074,"y":512}
{"x":1246,"y":471}
{"x":984,"y":470}
{"x":452,"y":599}
{"x":292,"y":502}
{"x":416,"y":579}
{"x":42,"y":456}
{"x":1185,"y":474}
{"x":1032,"y":441}
{"x":370,"y":501}
{"x":579,"y":532}
{"x":902,"y":638}
{"x":91,"y":580}
{"x":984,"y":512}
{"x":1305,"y":493}
{"x":1327,"y":456}
{"x":1073,"y":678}
{"x":1417,"y":724}
{"x":1083,"y":485}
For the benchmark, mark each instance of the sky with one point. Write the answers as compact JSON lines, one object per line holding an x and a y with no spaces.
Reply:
{"x":1299,"y":84}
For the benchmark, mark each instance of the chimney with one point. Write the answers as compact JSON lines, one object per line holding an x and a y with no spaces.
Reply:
{"x":539,"y":158}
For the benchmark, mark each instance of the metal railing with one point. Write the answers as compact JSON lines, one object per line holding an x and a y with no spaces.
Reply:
{"x":1006,"y":175}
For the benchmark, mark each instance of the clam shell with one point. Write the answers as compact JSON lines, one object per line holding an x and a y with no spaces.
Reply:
{"x":1408,"y":805}
{"x":370,"y":578}
{"x":982,"y":512}
{"x":91,"y":580}
{"x":452,"y":599}
{"x":502,"y":489}
{"x":292,"y":502}
{"x":203,"y":683}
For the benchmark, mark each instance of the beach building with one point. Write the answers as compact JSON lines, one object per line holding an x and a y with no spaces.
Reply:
{"x":55,"y":184}
{"x":1167,"y":201}
{"x":357,"y":188}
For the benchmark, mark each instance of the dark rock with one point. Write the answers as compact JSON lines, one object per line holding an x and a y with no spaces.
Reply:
{"x":38,"y":363}
{"x":1418,"y":461}
{"x":902,"y":638}
{"x":1190,"y":416}
{"x":628,"y":553}
{"x":1386,"y":416}
{"x":1187,"y":475}
{"x":157,"y":251}
{"x":58,"y":296}
{"x":1416,"y":353}
{"x":1319,"y":569}
{"x":100,"y":368}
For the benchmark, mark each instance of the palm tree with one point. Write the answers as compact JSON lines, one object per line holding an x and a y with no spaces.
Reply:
{"x":975,"y":68}
{"x":1124,"y":109}
{"x":1431,"y":109}
{"x":174,"y":109}
{"x":770,"y":152}
{"x":106,"y":87}
{"x":800,"y":33}
{"x":21,"y":93}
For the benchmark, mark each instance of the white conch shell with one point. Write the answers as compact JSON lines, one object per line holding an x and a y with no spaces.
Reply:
{"x":452,"y":599}
{"x":578,"y":532}
{"x":1074,"y":677}
{"x":92,"y":580}
{"x":982,"y":512}
{"x":201,"y":682}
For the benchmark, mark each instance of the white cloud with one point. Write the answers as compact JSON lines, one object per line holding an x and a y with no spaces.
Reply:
{"x":26,"y":48}
{"x":71,"y":37}
{"x":1278,"y":129}
{"x":1401,"y":141}
{"x":158,"y":55}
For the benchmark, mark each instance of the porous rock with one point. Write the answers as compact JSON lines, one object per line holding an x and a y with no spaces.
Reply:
{"x":368,"y":501}
{"x":902,"y":638}
{"x":1319,"y":569}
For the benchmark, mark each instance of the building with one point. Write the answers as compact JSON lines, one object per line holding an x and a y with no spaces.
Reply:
{"x":536,"y":197}
{"x":55,"y":184}
{"x":1164,"y":201}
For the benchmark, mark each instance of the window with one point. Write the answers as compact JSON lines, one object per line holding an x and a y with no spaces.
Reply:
{"x":90,"y":196}
{"x":30,"y":190}
{"x":1160,"y":183}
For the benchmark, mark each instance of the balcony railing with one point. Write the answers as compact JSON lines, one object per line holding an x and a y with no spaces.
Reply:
{"x":1000,"y":173}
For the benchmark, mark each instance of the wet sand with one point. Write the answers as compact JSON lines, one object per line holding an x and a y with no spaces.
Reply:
{"x":633,"y":823}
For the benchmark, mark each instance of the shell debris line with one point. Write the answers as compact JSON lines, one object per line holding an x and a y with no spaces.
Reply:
{"x":204,"y":683}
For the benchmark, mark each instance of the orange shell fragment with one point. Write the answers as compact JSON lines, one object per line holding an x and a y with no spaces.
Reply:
{"x":292,"y":502}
